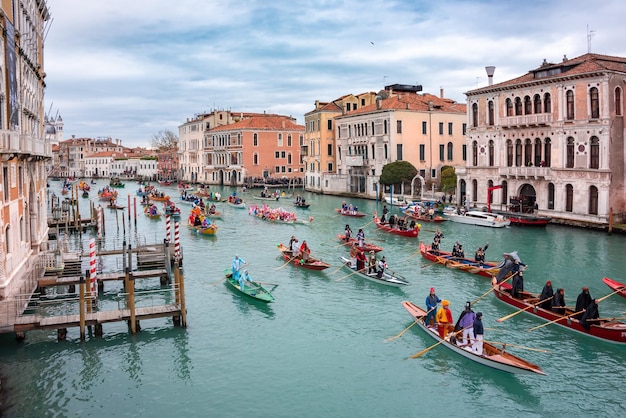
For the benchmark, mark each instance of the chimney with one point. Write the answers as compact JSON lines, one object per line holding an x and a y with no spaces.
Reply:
{"x":378,"y":102}
{"x":490,"y":70}
{"x":441,"y":92}
{"x":317,"y":104}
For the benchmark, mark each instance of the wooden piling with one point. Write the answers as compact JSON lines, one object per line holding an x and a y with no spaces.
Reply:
{"x":81,"y":307}
{"x":610,"y":220}
{"x":183,"y":309}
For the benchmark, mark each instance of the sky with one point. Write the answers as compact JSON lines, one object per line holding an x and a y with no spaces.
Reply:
{"x":131,"y":69}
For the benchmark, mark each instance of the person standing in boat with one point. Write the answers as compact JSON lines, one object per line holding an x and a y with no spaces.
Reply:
{"x":546,"y":296}
{"x":382,"y":265}
{"x":360,"y":236}
{"x":295,"y":247}
{"x":305,"y":251}
{"x":384,"y":217}
{"x":444,"y":319}
{"x":558,"y":302}
{"x":245,"y":277}
{"x":372,"y":262}
{"x":435,"y":245}
{"x":517,"y":285}
{"x":479,"y":334}
{"x":360,"y":261}
{"x":479,"y":257}
{"x":590,"y":314}
{"x":466,"y":324}
{"x":238,"y":263}
{"x":583,"y":300}
{"x":347,"y":233}
{"x":431,"y":306}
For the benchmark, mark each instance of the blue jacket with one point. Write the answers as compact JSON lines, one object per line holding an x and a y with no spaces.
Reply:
{"x":432,"y":301}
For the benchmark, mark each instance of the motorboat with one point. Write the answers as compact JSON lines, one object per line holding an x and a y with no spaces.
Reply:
{"x":480,"y":218}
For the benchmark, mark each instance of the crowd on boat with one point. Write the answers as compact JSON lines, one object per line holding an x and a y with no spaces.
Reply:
{"x":198,"y":218}
{"x":401,"y":223}
{"x":349,"y":209}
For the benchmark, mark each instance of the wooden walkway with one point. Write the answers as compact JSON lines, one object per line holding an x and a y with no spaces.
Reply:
{"x":101,"y":277}
{"x":33,"y":322}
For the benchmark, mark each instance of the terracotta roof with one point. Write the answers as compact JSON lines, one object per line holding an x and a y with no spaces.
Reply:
{"x":584,"y":64}
{"x":415,"y":102}
{"x":103,"y":154}
{"x":262,"y":123}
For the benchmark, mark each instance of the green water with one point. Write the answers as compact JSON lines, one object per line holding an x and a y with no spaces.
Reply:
{"x":320,"y":350}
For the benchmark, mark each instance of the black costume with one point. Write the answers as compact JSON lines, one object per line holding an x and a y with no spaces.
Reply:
{"x":590,"y":313}
{"x":558,"y":302}
{"x":583,"y":300}
{"x":546,"y":293}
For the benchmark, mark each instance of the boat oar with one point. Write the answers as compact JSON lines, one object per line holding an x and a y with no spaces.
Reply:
{"x":288,"y":261}
{"x":361,"y":227}
{"x":490,"y":290}
{"x":541,"y":350}
{"x":409,"y":327}
{"x":504,"y":318}
{"x":354,"y":272}
{"x":426,"y":350}
{"x":575,"y":313}
{"x":411,"y":256}
{"x":338,"y":268}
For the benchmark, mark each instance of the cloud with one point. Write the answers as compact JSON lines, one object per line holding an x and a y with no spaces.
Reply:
{"x":128,"y":69}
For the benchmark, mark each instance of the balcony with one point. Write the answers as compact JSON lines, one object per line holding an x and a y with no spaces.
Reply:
{"x":538,"y":119}
{"x":535,"y":173}
{"x":13,"y":142}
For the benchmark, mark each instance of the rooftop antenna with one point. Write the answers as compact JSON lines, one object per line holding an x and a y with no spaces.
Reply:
{"x":590,"y":34}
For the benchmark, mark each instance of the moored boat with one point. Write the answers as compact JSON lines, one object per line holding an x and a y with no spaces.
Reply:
{"x":479,"y":218}
{"x":492,"y":356}
{"x":388,"y":278}
{"x":411,"y":233}
{"x":524,"y":219}
{"x":606,"y":329}
{"x":311,"y":264}
{"x":252,"y":289}
{"x":615,"y":286}
{"x":486,"y":269}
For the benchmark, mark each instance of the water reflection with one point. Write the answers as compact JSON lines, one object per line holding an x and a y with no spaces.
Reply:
{"x":249,"y":306}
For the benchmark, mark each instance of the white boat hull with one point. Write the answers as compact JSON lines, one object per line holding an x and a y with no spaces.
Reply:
{"x":387,"y":279}
{"x":479,"y":218}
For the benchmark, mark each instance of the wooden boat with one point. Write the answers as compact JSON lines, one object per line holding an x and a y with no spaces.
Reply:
{"x":524,"y":219}
{"x":606,"y":329}
{"x":86,"y":194}
{"x":348,"y":213}
{"x":240,"y":205}
{"x":487,"y":269}
{"x":163,"y":198}
{"x":115,"y":182}
{"x":492,"y":356}
{"x":301,"y":205}
{"x":252,"y":289}
{"x":274,"y":198}
{"x":165,"y":182}
{"x":389,"y":277}
{"x":205,"y":230}
{"x":353,"y":243}
{"x":214,"y":215}
{"x":312,"y":264}
{"x":414,"y":212}
{"x":107,"y":194}
{"x":615,"y":285}
{"x":411,"y":233}
{"x":479,"y":218}
{"x":116,"y":207}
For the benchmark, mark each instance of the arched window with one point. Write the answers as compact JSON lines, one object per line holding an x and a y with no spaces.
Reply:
{"x":255,"y":159}
{"x":518,"y":106}
{"x":474,"y":190}
{"x":547,"y":103}
{"x":528,"y":105}
{"x":7,"y":239}
{"x":547,"y":152}
{"x":594,"y":160}
{"x":509,"y":153}
{"x":594,"y":101}
{"x":491,"y":154}
{"x":528,"y":153}
{"x":537,"y":160}
{"x":518,"y":153}
{"x":569,"y":162}
{"x":569,"y":198}
{"x":450,"y":151}
{"x":505,"y":193}
{"x":618,"y":101}
{"x":475,"y":115}
{"x":490,"y":113}
{"x":569,"y":99}
{"x":593,"y":200}
{"x":537,"y":100}
{"x":474,"y":153}
{"x":551,"y":196}
{"x":509,"y":107}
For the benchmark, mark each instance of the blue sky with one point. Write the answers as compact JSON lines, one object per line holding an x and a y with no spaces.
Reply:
{"x":129,"y":69}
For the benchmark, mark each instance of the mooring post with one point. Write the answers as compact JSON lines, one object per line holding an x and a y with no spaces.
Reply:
{"x":131,"y":305}
{"x":176,"y":318}
{"x":135,"y":210}
{"x":81,"y":306}
{"x":183,"y":308}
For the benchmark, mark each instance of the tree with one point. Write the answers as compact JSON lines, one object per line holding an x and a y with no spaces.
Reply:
{"x":448,"y":179}
{"x":397,"y":172}
{"x":164,"y":140}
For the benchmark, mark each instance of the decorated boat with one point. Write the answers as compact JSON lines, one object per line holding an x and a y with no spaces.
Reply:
{"x":354,"y":243}
{"x":271,"y":197}
{"x":251,"y":289}
{"x":615,"y":286}
{"x":277,"y":215}
{"x":486,"y":269}
{"x":152,"y":212}
{"x":388,"y":278}
{"x":411,"y":233}
{"x":311,"y":264}
{"x":107,"y":194}
{"x":350,"y":213}
{"x":205,"y":230}
{"x":479,"y":218}
{"x":82,"y":185}
{"x":491,"y":356}
{"x":607,"y":329}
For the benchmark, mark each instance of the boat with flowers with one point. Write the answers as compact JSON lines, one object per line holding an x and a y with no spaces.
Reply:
{"x":277,"y":215}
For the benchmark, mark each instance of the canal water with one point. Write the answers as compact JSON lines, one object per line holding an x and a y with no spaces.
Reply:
{"x":320,"y":349}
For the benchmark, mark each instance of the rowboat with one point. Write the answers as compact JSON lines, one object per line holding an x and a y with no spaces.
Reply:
{"x":605,"y":329}
{"x":353,"y":243}
{"x":205,"y":230}
{"x":214,"y":215}
{"x":311,"y":264}
{"x":274,"y":198}
{"x":117,"y":207}
{"x":86,"y":194}
{"x":163,"y":198}
{"x":479,"y":218}
{"x":491,"y":356}
{"x":165,"y":182}
{"x":486,"y":269}
{"x":156,"y":215}
{"x":252,"y":289}
{"x":615,"y":286}
{"x":301,"y":205}
{"x":349,"y":213}
{"x":240,"y":205}
{"x":389,"y":278}
{"x":414,"y":212}
{"x":411,"y":233}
